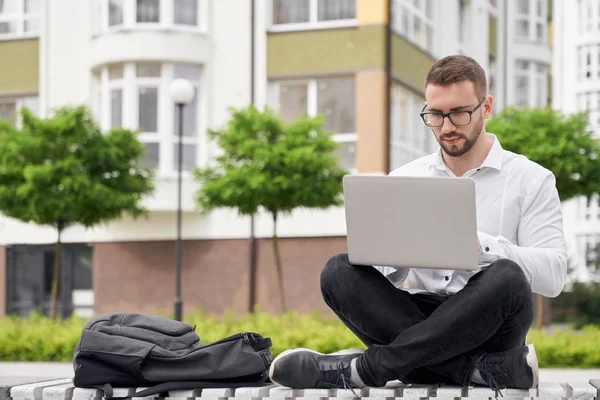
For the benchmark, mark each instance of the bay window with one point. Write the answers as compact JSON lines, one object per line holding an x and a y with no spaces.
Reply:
{"x":111,"y":15}
{"x":20,"y":18}
{"x":531,"y":20}
{"x":136,"y":96}
{"x":531,"y":84}
{"x":413,"y":19}
{"x":410,"y":138}
{"x":309,"y":14}
{"x":333,"y":98}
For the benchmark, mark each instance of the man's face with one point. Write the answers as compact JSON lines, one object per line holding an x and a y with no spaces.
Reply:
{"x":456,"y":140}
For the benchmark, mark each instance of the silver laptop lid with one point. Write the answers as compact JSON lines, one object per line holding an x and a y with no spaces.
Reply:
{"x":415,"y":222}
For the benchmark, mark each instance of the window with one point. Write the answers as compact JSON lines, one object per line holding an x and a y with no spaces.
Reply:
{"x":590,"y":101}
{"x":531,"y":20}
{"x":115,"y":12}
{"x":8,"y":110}
{"x":531,"y":84}
{"x":135,"y":96}
{"x":189,"y":120}
{"x":19,"y":18}
{"x":492,"y":74}
{"x":588,"y":61}
{"x":147,"y":11}
{"x":333,"y":98}
{"x":589,"y":246}
{"x":410,"y":138}
{"x":186,"y":12}
{"x":414,"y":20}
{"x":306,"y":14}
{"x":10,"y":107}
{"x":522,"y":83}
{"x":109,"y":15}
{"x":541,"y":82}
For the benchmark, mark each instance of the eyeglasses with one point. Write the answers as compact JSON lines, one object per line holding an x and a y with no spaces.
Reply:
{"x":458,"y":118}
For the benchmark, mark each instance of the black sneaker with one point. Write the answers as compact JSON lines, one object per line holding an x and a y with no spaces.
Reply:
{"x":516,"y":368}
{"x":305,"y":368}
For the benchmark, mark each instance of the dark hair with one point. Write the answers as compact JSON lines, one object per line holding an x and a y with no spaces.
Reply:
{"x":457,"y":68}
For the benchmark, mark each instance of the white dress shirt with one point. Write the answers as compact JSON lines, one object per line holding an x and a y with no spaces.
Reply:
{"x":518,"y":218}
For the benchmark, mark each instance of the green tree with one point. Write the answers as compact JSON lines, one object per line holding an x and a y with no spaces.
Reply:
{"x":563,"y":143}
{"x":272,"y":166}
{"x":63,"y":171}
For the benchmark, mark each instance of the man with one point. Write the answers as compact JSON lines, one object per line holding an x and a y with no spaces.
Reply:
{"x":455,"y":327}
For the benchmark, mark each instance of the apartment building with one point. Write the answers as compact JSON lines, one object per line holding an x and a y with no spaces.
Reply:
{"x":359,"y":63}
{"x":576,"y":87}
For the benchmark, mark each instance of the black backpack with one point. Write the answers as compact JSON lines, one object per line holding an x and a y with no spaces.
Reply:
{"x":139,"y":350}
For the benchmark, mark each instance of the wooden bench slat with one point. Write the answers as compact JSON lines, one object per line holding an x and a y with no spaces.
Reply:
{"x":33,"y":391}
{"x":60,"y":392}
{"x":550,"y":390}
{"x":581,"y":390}
{"x":480,"y":392}
{"x":63,"y":389}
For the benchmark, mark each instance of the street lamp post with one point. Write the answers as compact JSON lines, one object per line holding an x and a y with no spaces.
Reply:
{"x":182,"y":92}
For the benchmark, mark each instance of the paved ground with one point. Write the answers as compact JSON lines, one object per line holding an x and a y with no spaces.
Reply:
{"x":65,"y":370}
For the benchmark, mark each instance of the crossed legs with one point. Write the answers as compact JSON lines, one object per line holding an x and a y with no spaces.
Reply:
{"x":428,"y":338}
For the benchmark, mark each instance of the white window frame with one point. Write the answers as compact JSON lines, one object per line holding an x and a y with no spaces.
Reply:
{"x":167,"y":136}
{"x":425,"y":7}
{"x":166,"y":21}
{"x":312,"y":107}
{"x":534,"y":78}
{"x":20,"y":102}
{"x":313,"y":22}
{"x":590,"y":101}
{"x":588,"y":62}
{"x":533,"y":19}
{"x":416,"y":140}
{"x":586,"y":241}
{"x":20,"y":17}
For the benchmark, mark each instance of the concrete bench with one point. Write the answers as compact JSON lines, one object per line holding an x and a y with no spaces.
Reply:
{"x":63,"y":389}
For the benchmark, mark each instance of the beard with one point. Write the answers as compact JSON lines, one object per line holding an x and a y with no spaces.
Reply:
{"x":468,"y":141}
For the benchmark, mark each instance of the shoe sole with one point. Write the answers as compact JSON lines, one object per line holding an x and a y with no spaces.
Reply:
{"x":283,"y":355}
{"x":348,"y":351}
{"x":533,"y":363}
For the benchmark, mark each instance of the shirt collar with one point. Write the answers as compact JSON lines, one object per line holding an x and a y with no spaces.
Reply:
{"x":493,"y":160}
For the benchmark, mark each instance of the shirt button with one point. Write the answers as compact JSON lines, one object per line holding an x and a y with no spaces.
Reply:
{"x":447,"y":278}
{"x":487,"y":249}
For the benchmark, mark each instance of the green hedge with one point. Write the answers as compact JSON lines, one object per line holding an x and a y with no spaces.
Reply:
{"x":40,"y":339}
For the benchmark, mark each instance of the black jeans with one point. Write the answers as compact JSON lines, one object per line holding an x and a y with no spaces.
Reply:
{"x":425,"y":337}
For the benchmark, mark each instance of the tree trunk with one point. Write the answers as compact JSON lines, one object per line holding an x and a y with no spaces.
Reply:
{"x":278,"y":263}
{"x":56,"y":274}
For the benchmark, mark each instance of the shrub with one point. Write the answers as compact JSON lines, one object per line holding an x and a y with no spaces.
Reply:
{"x":38,"y":338}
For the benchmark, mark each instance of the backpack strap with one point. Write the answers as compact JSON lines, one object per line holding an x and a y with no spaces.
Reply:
{"x":186,"y":385}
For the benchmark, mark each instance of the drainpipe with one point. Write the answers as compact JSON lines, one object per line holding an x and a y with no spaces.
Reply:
{"x":253,"y":250}
{"x":505,"y":63}
{"x":388,"y":74}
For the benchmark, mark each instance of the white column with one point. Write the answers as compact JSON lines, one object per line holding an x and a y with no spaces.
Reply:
{"x":501,"y":56}
{"x":446,"y":25}
{"x":262,"y":12}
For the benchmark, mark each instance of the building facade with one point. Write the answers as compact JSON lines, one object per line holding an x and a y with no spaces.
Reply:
{"x":576,"y":87}
{"x":359,"y":63}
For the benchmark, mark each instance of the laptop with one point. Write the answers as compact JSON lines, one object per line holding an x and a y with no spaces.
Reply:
{"x":411,"y":222}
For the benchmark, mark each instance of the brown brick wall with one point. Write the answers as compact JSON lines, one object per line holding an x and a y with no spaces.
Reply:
{"x":2,"y":280}
{"x":140,"y":276}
